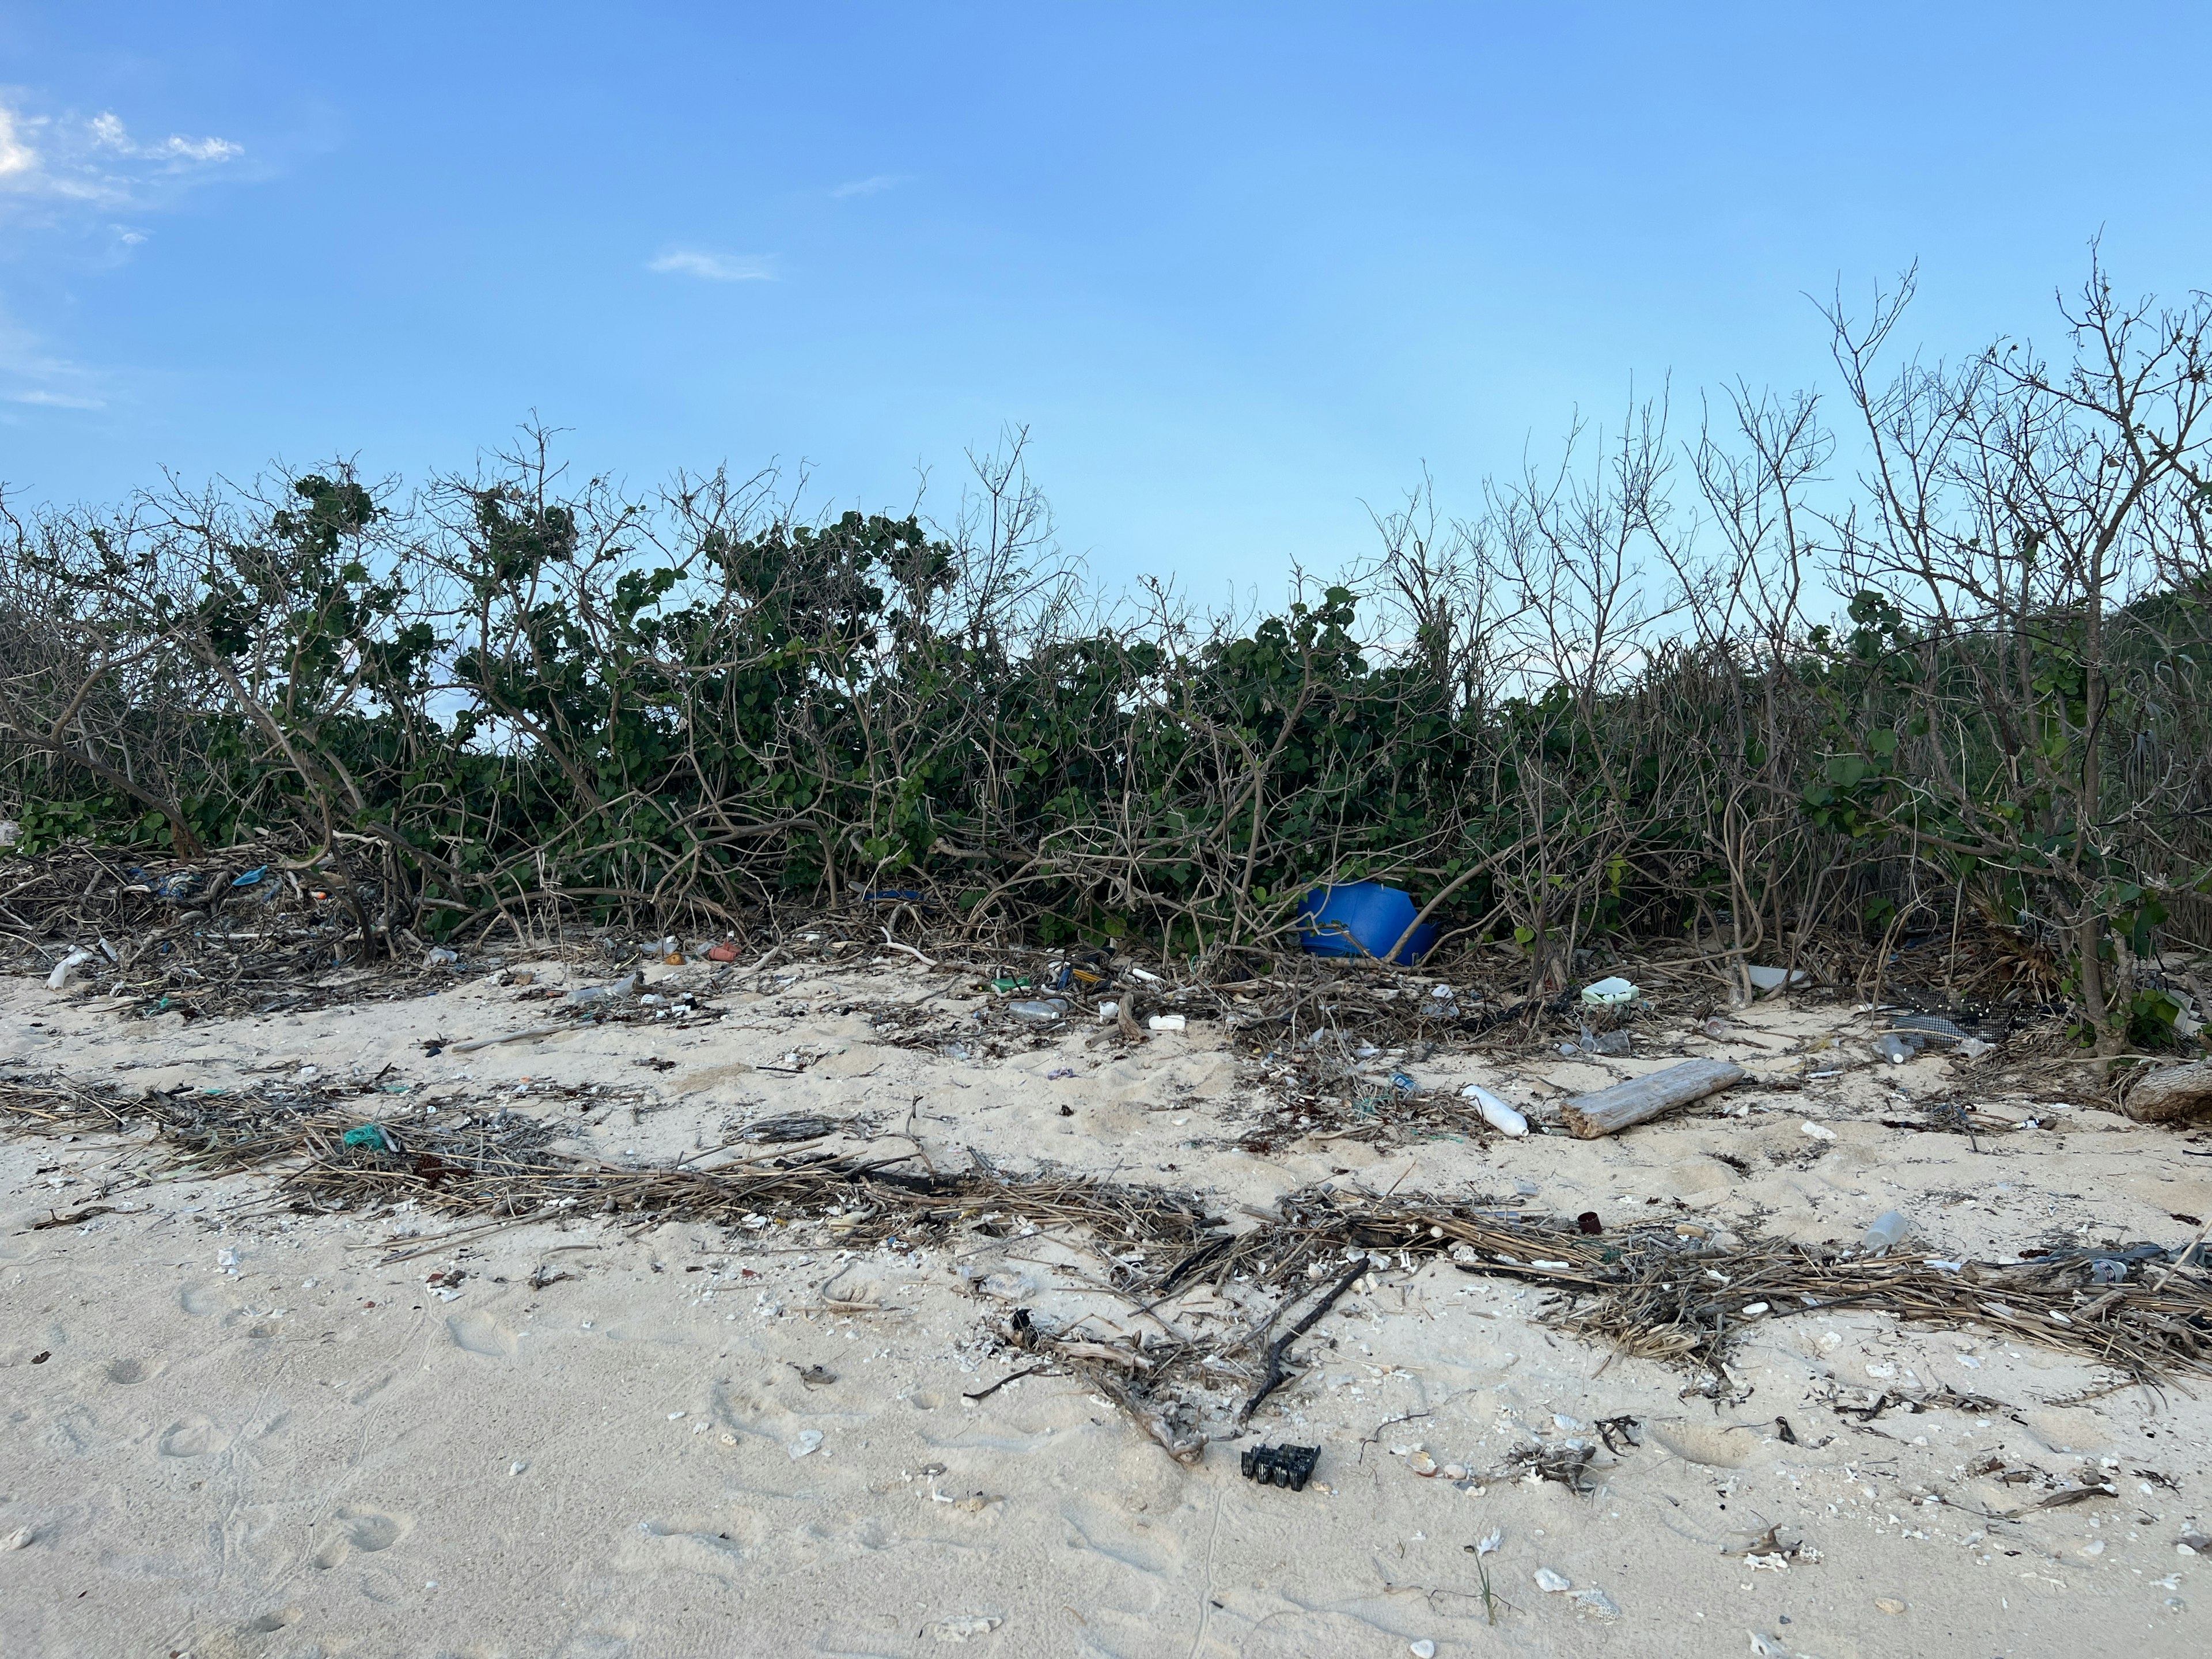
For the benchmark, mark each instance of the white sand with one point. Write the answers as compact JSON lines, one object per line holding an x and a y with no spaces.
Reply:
{"x":248,"y":1434}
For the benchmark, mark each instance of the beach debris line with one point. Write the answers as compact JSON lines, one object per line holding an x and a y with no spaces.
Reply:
{"x":1279,"y":1466}
{"x":1588,"y":1117}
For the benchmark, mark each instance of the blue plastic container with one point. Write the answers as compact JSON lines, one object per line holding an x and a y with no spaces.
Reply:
{"x":1363,"y":918}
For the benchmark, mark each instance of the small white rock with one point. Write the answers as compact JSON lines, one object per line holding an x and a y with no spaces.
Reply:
{"x":807,"y":1440}
{"x":1424,"y":1649}
{"x":1552,"y":1583}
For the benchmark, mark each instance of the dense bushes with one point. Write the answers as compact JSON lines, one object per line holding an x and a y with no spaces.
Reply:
{"x":1590,"y":709}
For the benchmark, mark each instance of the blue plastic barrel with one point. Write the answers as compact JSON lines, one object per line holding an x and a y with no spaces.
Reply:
{"x":1363,"y":918}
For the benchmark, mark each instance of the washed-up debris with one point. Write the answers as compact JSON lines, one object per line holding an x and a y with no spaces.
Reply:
{"x":67,"y":965}
{"x":2172,"y":1093}
{"x":1615,"y":1043}
{"x":1890,"y":1230}
{"x":1495,"y":1112}
{"x":592,"y":996}
{"x":1167,"y":1023}
{"x":1765,"y":979}
{"x":1640,"y":1099}
{"x":1279,"y":1466}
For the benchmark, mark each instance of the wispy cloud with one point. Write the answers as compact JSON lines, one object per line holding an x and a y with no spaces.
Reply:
{"x":875,"y":184}
{"x":45,"y":399}
{"x":55,"y":162}
{"x":715,"y":267}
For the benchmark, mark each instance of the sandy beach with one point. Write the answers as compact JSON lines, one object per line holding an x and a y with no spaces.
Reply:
{"x":233,"y":1428}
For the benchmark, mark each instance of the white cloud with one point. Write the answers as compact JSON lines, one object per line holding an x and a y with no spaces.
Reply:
{"x":109,"y":133}
{"x":62,"y":159}
{"x":47,"y":399}
{"x":715,"y":267}
{"x":873,"y":186}
{"x":15,"y":155}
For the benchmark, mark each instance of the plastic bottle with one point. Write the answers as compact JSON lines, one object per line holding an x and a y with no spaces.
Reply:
{"x":1037,"y":1012}
{"x":1495,"y":1112}
{"x":1887,"y":1232}
{"x":590,"y":995}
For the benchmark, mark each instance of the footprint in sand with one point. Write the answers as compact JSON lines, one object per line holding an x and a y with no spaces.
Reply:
{"x":481,"y":1333}
{"x":190,"y":1436}
{"x":276,"y":1620}
{"x":127,"y":1371}
{"x":1715,"y":1445}
{"x":200,"y":1300}
{"x":365,"y":1531}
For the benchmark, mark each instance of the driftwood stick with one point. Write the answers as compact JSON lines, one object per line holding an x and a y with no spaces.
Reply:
{"x":1589,"y":1116}
{"x":1272,"y":1378}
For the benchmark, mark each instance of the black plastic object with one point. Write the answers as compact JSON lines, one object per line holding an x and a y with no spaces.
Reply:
{"x":1281,"y":1466}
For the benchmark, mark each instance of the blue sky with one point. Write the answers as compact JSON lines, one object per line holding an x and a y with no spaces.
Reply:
{"x":1241,"y":272}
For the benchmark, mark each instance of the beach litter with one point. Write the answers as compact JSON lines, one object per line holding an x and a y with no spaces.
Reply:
{"x":1279,"y":1466}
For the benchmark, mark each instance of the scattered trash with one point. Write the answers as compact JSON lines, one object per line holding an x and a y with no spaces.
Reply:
{"x":1889,"y":1231}
{"x":1588,"y":1222}
{"x":2106,"y":1271}
{"x":1600,"y":1043}
{"x":1764,"y":980}
{"x":1039,"y":1011}
{"x":1609,"y":1110}
{"x":439,"y":957}
{"x":1167,"y":1021}
{"x":1973,"y":1047}
{"x":1930,"y":1028}
{"x":10,"y":832}
{"x":1005,"y":984}
{"x":1363,"y":919}
{"x":591,"y":996}
{"x":65,"y":967}
{"x":251,"y":878}
{"x":723,"y":953}
{"x":1614,"y":992}
{"x":1817,"y":1131}
{"x":1495,"y":1112}
{"x":1280,"y":1465}
{"x":370,"y":1134}
{"x":1896,"y":1048}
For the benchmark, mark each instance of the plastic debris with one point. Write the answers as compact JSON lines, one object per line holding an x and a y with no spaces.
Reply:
{"x":1889,"y":1231}
{"x":1489,"y":1544}
{"x":1279,"y":1466}
{"x":1930,"y":1028}
{"x":1363,"y":919}
{"x":2106,"y":1271}
{"x":806,"y":1441}
{"x":1896,"y":1048}
{"x":1495,"y":1112}
{"x":67,"y":965}
{"x":1974,"y":1049}
{"x":1040,"y":1011}
{"x":251,"y":878}
{"x":589,"y":996}
{"x":369,"y":1135}
{"x":1006,"y":984}
{"x":1613,"y":992}
{"x":439,"y":957}
{"x":723,"y":953}
{"x":1588,"y":1222}
{"x":1817,"y":1131}
{"x":1403,"y":1083}
{"x":1764,"y":980}
{"x":1167,"y":1021}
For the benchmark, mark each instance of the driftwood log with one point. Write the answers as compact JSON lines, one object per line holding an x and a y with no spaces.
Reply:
{"x":1589,"y":1116}
{"x":2171,"y":1092}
